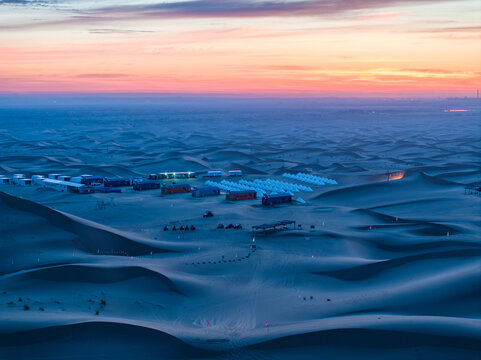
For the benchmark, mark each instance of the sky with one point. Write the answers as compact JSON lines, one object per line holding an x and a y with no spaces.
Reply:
{"x":424,"y":48}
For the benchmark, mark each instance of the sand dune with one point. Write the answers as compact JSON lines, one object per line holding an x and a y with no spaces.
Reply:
{"x":390,"y":269}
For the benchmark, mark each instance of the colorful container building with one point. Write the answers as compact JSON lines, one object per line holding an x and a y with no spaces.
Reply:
{"x":54,"y":184}
{"x":234,"y":173}
{"x":88,"y":179}
{"x":214,"y":173}
{"x":4,"y":180}
{"x":107,"y":189}
{"x":65,"y":186}
{"x":206,"y":191}
{"x":178,"y":175}
{"x":275,"y":199}
{"x":241,"y":195}
{"x":117,"y":182}
{"x":16,"y":178}
{"x":92,"y":180}
{"x":38,"y":179}
{"x":175,"y":188}
{"x":141,"y":185}
{"x":173,"y":175}
{"x":25,"y":182}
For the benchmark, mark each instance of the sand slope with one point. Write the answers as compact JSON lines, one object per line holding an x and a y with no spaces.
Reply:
{"x":392,"y":269}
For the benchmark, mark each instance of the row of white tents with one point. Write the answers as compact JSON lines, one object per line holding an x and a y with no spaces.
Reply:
{"x":262,"y":187}
{"x":276,"y":186}
{"x":232,"y":186}
{"x":310,"y":179}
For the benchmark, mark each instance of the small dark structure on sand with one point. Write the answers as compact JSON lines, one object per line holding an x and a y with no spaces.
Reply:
{"x":276,"y":226}
{"x":472,"y":189}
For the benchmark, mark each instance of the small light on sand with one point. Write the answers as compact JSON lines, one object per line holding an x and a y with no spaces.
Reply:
{"x":131,"y":258}
{"x":267,"y":323}
{"x":208,"y":324}
{"x":447,"y":234}
{"x":370,"y":227}
{"x":140,"y":199}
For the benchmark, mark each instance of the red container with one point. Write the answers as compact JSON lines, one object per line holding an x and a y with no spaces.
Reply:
{"x":175,"y":189}
{"x":241,"y":195}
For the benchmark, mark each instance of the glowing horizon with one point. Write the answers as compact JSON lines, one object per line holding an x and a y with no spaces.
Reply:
{"x":337,"y":48}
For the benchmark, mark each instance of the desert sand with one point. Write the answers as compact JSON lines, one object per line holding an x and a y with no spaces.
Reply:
{"x":391,"y":270}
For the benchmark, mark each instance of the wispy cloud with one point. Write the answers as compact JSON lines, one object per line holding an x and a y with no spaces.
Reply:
{"x":451,"y":29}
{"x":118,"y":31}
{"x":101,"y":75}
{"x":225,"y":8}
{"x":250,"y":8}
{"x":25,"y":2}
{"x":101,"y":12}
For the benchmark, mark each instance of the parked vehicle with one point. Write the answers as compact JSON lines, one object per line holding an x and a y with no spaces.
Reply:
{"x":230,"y":226}
{"x":237,"y":226}
{"x":220,"y":226}
{"x":208,"y":214}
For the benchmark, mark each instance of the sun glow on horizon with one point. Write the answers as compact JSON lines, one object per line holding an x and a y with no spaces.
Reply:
{"x":240,"y":46}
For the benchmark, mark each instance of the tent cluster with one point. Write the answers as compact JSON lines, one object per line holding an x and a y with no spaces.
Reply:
{"x":276,"y":186}
{"x":311,"y":179}
{"x":261,"y":186}
{"x":231,"y":186}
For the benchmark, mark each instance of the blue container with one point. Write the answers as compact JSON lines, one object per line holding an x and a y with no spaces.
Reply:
{"x":146,"y":185}
{"x":175,"y":188}
{"x":89,"y":180}
{"x":104,"y":189}
{"x":117,"y":182}
{"x":206,"y":191}
{"x":274,"y":199}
